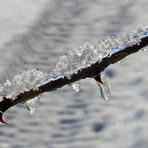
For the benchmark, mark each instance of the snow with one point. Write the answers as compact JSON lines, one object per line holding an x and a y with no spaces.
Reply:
{"x":124,"y":117}
{"x":130,"y":38}
{"x":69,"y":64}
{"x":25,"y":81}
{"x":88,"y":54}
{"x":22,"y":82}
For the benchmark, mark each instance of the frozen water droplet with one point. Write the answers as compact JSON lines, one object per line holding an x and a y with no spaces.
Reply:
{"x":32,"y":104}
{"x":104,"y":88}
{"x":76,"y":86}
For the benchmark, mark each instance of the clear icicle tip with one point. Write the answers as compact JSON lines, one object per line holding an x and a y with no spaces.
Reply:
{"x":33,"y":104}
{"x":76,"y":86}
{"x":104,"y":87}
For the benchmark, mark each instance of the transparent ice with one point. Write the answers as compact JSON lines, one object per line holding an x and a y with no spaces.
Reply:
{"x":49,"y":77}
{"x":69,"y":64}
{"x":104,"y":87}
{"x":88,"y":54}
{"x":20,"y":83}
{"x":25,"y":81}
{"x":33,"y":104}
{"x":76,"y":86}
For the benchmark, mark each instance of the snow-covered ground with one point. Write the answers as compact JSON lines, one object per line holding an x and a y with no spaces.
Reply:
{"x":34,"y":34}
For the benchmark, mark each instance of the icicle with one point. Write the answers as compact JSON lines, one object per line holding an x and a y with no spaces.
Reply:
{"x":104,"y":88}
{"x":72,"y":62}
{"x":2,"y":119}
{"x":76,"y":86}
{"x":32,"y":104}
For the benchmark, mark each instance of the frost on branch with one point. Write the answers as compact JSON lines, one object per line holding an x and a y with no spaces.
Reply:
{"x":22,"y":82}
{"x":83,"y":62}
{"x":70,"y":63}
{"x":87,"y":54}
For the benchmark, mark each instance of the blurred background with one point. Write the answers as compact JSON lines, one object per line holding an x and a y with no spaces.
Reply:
{"x":33,"y":34}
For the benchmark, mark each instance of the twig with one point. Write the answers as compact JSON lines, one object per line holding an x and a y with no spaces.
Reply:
{"x":93,"y":71}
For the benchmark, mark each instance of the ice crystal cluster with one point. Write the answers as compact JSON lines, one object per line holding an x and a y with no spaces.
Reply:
{"x":22,"y":82}
{"x":88,"y":54}
{"x":75,"y":59}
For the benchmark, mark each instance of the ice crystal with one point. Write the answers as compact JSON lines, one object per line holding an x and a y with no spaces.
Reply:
{"x":104,"y":87}
{"x":76,"y":86}
{"x":88,"y":54}
{"x":32,"y":104}
{"x":22,"y":82}
{"x":69,"y":64}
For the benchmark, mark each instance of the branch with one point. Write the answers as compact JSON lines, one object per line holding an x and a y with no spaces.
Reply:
{"x":92,"y":71}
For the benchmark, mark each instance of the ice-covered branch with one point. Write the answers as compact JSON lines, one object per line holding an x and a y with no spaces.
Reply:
{"x":87,"y":61}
